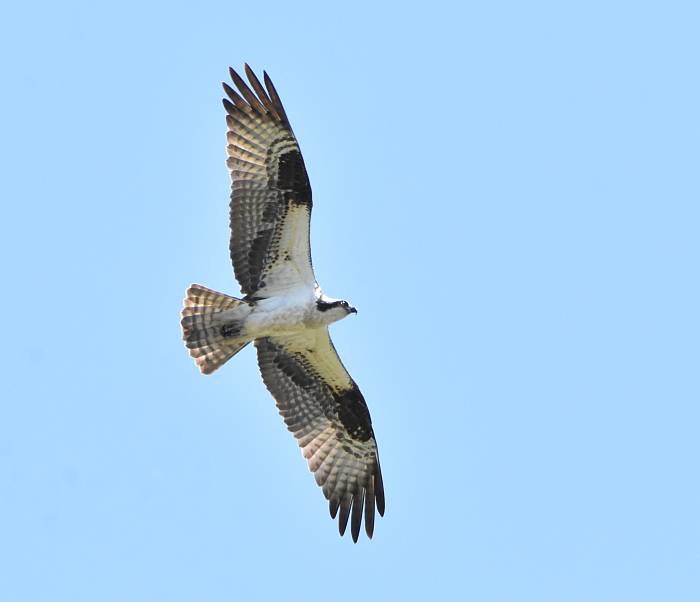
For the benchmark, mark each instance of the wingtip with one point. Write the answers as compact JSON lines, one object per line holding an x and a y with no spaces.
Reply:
{"x":276,"y":101}
{"x":379,"y":490}
{"x":333,"y":507}
{"x":344,"y":516}
{"x":268,"y":82}
{"x":357,"y":507}
{"x":228,"y":90}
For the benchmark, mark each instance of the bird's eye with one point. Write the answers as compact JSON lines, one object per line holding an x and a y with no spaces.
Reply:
{"x":344,"y":303}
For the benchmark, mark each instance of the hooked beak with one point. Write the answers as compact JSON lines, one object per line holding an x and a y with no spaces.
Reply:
{"x":353,"y":310}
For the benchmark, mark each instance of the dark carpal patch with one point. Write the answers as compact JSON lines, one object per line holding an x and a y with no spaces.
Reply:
{"x":353,"y":413}
{"x":291,"y":175}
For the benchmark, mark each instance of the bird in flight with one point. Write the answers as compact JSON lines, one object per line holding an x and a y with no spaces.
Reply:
{"x":284,"y":311}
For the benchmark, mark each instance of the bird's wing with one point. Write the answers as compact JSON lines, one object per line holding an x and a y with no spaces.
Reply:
{"x":326,"y":412}
{"x":270,"y":192}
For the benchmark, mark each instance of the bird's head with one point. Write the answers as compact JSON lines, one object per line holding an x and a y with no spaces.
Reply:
{"x":334,"y":309}
{"x":347,"y":307}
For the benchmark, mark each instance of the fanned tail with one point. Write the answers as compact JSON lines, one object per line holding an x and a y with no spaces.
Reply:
{"x":213,"y":326}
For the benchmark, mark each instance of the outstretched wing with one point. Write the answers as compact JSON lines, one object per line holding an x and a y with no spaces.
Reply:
{"x":325,"y":410}
{"x":270,"y":192}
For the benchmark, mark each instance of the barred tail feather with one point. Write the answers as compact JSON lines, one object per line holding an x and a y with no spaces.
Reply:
{"x":213,"y":326}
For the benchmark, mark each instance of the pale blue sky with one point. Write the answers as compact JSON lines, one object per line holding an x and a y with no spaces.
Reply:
{"x":509,"y":194}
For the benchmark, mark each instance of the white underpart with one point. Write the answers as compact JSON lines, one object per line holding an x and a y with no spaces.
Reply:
{"x":292,"y":271}
{"x":290,"y":313}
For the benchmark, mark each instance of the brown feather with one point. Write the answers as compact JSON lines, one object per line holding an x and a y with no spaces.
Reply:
{"x":260,"y":91}
{"x":237,"y":100}
{"x":275,"y":98}
{"x":333,"y":506}
{"x":357,"y":513}
{"x":344,"y":514}
{"x":369,"y":507}
{"x":246,"y":92}
{"x":379,"y":488}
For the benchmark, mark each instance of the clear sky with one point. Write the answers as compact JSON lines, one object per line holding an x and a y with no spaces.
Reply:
{"x":507,"y":191}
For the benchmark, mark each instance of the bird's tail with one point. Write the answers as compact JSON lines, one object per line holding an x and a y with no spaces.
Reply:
{"x":213,"y":326}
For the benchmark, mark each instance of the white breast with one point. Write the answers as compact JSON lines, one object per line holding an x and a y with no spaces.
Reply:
{"x":283,"y":314}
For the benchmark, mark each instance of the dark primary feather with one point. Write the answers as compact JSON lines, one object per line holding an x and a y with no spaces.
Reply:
{"x":312,"y":391}
{"x":259,"y":90}
{"x":357,"y":506}
{"x":275,"y":98}
{"x":237,"y":100}
{"x":247,"y":93}
{"x":270,"y":190}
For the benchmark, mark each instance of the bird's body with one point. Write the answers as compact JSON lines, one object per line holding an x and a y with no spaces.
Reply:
{"x":294,"y":311}
{"x":285,"y":314}
{"x":284,"y":311}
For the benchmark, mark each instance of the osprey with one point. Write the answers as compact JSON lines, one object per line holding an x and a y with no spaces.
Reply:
{"x":283,"y":310}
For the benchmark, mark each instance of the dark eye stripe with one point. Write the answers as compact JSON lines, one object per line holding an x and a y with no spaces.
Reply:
{"x":325,"y":305}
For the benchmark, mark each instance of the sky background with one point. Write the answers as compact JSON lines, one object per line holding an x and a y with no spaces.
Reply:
{"x":507,"y":191}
